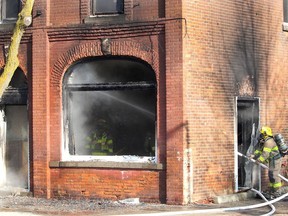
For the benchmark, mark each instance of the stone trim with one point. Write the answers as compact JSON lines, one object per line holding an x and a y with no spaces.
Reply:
{"x":110,"y":165}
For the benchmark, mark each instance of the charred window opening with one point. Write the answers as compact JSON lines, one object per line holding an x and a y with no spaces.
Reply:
{"x":107,"y":7}
{"x":247,"y":125}
{"x":9,"y":10}
{"x":109,"y":108}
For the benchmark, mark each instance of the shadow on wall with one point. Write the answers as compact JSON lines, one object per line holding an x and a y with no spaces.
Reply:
{"x":240,"y":56}
{"x":253,"y":63}
{"x":253,"y":43}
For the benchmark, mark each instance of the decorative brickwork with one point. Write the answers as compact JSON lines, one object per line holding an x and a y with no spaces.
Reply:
{"x":118,"y":48}
{"x":98,"y":182}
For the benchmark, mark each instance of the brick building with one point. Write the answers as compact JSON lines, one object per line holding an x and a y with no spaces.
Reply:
{"x":141,"y":98}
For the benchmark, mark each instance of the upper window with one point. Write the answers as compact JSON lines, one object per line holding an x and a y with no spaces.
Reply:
{"x":107,"y":7}
{"x":109,"y":110}
{"x":285,"y":10}
{"x":285,"y":15}
{"x":9,"y":10}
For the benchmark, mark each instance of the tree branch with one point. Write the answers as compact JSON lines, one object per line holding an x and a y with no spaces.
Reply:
{"x":23,"y":21}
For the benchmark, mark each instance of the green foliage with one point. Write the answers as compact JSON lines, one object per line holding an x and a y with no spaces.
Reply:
{"x":99,"y":143}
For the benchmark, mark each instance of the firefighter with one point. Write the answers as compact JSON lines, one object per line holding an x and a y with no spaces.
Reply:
{"x":267,"y":152}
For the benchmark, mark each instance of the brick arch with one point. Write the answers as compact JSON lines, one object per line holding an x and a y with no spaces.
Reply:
{"x":123,"y":48}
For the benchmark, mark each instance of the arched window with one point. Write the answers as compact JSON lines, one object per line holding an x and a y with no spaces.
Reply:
{"x":17,"y":91}
{"x":109,"y":109}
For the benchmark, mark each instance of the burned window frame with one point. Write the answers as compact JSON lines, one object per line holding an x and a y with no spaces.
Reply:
{"x":3,"y":15}
{"x":118,"y":11}
{"x":67,"y":89}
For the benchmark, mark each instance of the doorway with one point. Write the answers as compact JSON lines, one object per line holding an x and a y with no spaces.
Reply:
{"x":14,"y":146}
{"x":247,"y":124}
{"x":14,"y":143}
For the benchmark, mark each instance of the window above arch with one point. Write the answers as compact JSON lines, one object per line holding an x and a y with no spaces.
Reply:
{"x":285,"y":15}
{"x":9,"y":10}
{"x":107,"y":7}
{"x":109,"y":108}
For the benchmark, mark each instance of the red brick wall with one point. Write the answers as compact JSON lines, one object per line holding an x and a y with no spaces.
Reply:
{"x":50,"y":59}
{"x":40,"y":119}
{"x":147,"y":10}
{"x":67,"y":12}
{"x":230,"y":41}
{"x":24,"y":59}
{"x":64,"y":12}
{"x":175,"y":122}
{"x":208,"y":51}
{"x":106,"y":184}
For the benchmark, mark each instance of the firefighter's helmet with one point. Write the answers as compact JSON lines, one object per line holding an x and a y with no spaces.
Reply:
{"x":266,"y":131}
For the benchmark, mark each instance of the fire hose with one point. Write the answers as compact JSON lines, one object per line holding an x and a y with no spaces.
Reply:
{"x":262,"y":165}
{"x":225,"y":210}
{"x":267,"y":202}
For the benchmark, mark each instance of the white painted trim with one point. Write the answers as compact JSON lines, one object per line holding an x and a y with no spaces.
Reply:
{"x":116,"y":158}
{"x":285,"y":26}
{"x":235,"y":145}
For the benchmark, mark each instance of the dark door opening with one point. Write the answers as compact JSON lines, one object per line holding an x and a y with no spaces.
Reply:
{"x":16,"y":157}
{"x":247,"y":126}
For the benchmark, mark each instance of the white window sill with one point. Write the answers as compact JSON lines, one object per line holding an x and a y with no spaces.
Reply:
{"x":105,"y":18}
{"x":285,"y":26}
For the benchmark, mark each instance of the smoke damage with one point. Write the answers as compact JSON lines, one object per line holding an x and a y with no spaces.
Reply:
{"x":104,"y":118}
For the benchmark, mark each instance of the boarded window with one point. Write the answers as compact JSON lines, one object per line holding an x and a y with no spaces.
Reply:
{"x":110,"y":108}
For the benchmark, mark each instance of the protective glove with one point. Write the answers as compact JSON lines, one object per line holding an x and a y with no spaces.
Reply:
{"x":258,"y":162}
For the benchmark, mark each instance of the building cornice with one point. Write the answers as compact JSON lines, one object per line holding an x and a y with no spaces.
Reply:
{"x":5,"y":37}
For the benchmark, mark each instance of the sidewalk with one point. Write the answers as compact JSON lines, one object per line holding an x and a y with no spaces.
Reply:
{"x":29,"y":206}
